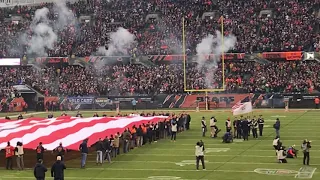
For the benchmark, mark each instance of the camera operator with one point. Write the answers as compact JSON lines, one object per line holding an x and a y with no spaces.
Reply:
{"x":200,"y":154}
{"x":281,"y":154}
{"x":306,"y":145}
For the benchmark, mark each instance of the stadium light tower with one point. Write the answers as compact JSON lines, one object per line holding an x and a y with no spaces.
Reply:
{"x":185,"y":62}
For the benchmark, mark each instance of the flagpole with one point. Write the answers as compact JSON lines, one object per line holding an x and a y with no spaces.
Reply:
{"x":206,"y":100}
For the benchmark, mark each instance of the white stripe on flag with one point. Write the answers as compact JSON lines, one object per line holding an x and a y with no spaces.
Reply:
{"x":88,"y":131}
{"x":245,"y":108}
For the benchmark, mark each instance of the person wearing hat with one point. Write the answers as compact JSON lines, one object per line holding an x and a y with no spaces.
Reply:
{"x":57,"y":169}
{"x":261,"y":124}
{"x":306,"y":145}
{"x":281,"y":154}
{"x":292,"y":152}
{"x":213,"y":126}
{"x":203,"y":126}
{"x":228,"y":125}
{"x":40,"y":170}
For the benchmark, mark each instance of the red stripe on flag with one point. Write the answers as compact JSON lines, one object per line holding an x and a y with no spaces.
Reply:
{"x":21,"y":133}
{"x":95,"y":137}
{"x":59,"y":134}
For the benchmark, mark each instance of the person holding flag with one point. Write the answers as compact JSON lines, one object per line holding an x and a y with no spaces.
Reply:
{"x":9,"y":156}
{"x":60,"y":150}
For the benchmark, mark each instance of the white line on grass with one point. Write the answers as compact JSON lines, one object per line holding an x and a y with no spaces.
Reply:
{"x":97,"y":178}
{"x":237,"y":149}
{"x":225,"y":162}
{"x":217,"y":155}
{"x":242,"y":144}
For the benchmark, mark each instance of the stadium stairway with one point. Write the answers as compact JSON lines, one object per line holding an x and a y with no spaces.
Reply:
{"x":168,"y":100}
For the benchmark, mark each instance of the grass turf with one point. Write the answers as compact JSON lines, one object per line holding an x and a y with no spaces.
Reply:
{"x":166,"y":160}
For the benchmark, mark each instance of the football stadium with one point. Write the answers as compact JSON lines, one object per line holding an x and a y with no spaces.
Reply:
{"x":159,"y":89}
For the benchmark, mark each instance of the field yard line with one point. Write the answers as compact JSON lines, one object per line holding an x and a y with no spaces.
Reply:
{"x":217,"y":155}
{"x":177,"y":149}
{"x":174,"y":162}
{"x":282,"y":136}
{"x":102,"y":178}
{"x":132,"y":169}
{"x":215,"y":145}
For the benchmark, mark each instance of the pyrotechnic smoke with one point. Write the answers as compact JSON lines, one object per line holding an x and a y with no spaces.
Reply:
{"x":120,"y":42}
{"x":213,"y":45}
{"x":44,"y":30}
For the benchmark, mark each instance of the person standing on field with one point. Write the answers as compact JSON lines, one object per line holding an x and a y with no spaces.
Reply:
{"x":203,"y":126}
{"x":84,"y":152}
{"x":174,"y":129}
{"x":9,"y":156}
{"x":19,"y":153}
{"x":276,"y":126}
{"x":199,"y":152}
{"x":261,"y":124}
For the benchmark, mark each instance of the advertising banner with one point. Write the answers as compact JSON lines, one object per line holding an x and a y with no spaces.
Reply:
{"x":109,"y":59}
{"x":52,"y":60}
{"x":216,"y":100}
{"x":10,"y":61}
{"x":103,"y":103}
{"x":289,"y":56}
{"x":81,"y":100}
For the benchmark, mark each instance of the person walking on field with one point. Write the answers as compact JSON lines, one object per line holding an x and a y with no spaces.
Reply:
{"x":199,"y":152}
{"x":40,"y":170}
{"x":84,"y":152}
{"x":57,"y":169}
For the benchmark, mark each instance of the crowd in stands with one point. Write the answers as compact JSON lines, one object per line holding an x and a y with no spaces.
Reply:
{"x":292,"y":25}
{"x":240,"y":77}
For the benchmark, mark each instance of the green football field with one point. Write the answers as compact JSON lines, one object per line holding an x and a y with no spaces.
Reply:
{"x":166,"y":160}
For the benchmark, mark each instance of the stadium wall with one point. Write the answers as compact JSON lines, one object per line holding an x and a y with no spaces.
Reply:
{"x":183,"y":101}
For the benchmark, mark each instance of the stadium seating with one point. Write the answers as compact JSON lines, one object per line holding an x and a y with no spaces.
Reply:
{"x":241,"y":77}
{"x":293,"y":26}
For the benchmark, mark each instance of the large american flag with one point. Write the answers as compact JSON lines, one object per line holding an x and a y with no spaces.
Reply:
{"x":70,"y":131}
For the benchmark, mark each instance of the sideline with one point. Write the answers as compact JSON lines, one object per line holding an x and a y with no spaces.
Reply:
{"x":27,"y":114}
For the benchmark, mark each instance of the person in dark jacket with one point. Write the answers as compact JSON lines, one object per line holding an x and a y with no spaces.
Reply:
{"x":84,"y":152}
{"x":188,"y":120}
{"x":245,"y":129}
{"x":139,"y":136}
{"x":99,"y":149}
{"x":276,"y":126}
{"x":40,"y":170}
{"x":107,"y":149}
{"x":57,"y":169}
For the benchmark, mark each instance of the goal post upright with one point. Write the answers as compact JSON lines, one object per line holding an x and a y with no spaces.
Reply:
{"x":206,"y":91}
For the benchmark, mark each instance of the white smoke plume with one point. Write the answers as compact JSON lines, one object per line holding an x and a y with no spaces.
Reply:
{"x":64,"y":15}
{"x":213,"y":45}
{"x":120,"y":42}
{"x":45,"y":31}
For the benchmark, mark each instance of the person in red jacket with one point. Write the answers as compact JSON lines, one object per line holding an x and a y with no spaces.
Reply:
{"x":9,"y":155}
